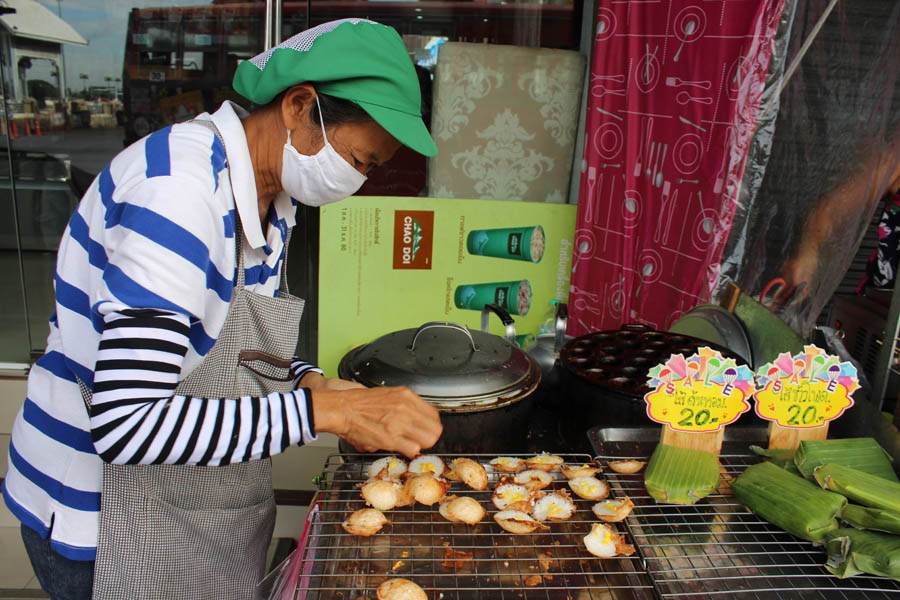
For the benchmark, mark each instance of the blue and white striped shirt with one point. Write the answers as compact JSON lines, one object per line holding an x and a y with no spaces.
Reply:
{"x":143,"y":282}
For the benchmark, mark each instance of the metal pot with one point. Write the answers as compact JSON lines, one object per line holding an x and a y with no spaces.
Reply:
{"x":547,"y":346}
{"x":482,"y":384}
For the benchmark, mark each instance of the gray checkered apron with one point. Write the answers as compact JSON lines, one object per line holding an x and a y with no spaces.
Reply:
{"x":185,"y":531}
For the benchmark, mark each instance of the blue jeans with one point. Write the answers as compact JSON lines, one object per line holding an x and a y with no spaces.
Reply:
{"x":61,"y":577}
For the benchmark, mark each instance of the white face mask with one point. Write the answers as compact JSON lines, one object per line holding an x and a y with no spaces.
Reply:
{"x":320,"y":179}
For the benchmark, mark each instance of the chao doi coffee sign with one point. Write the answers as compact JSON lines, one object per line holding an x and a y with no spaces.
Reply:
{"x":413,"y":236}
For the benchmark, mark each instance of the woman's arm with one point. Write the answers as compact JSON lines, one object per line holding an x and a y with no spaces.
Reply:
{"x":137,"y":418}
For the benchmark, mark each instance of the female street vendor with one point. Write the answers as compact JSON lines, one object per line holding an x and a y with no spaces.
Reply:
{"x":168,"y":380}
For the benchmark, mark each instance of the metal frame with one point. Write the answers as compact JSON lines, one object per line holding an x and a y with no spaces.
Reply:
{"x":719,"y":549}
{"x":588,"y":13}
{"x":886,"y":353}
{"x":414,"y":545}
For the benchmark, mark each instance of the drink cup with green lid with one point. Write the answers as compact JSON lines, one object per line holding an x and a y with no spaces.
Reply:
{"x":514,"y":296}
{"x":517,"y":243}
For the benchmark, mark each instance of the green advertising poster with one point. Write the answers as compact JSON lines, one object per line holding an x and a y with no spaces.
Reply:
{"x":395,"y":263}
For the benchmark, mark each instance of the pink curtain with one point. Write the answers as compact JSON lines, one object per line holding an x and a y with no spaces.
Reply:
{"x":674,"y":94}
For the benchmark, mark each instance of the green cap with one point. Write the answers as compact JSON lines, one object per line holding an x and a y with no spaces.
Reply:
{"x":353,"y":59}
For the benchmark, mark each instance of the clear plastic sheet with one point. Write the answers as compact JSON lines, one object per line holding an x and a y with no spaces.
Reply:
{"x":821,"y":161}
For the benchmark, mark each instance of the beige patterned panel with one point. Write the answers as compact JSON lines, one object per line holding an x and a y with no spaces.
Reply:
{"x":504,"y":120}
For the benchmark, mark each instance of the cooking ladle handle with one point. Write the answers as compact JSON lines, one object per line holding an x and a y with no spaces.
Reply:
{"x":447,"y":325}
{"x":562,"y":319}
{"x":504,"y":318}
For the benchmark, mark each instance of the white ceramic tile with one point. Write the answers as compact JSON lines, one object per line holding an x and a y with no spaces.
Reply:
{"x":12,"y":394}
{"x":15,"y":568}
{"x":289,"y":521}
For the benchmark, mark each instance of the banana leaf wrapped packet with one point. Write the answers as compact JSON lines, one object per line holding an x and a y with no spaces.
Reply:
{"x":789,"y":501}
{"x":855,"y":551}
{"x":678,"y":475}
{"x":862,"y":454}
{"x":858,"y":486}
{"x":865,"y":517}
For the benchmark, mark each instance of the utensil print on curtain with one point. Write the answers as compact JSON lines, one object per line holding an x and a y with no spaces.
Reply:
{"x":646,"y":75}
{"x":616,"y":297}
{"x":609,"y":140}
{"x":726,"y":160}
{"x":704,"y":227}
{"x":598,"y":90}
{"x":650,"y":264}
{"x":606,"y":24}
{"x":609,"y":207}
{"x":736,"y":75}
{"x":592,"y":200}
{"x":689,"y":26}
{"x":631,"y":209}
{"x":620,"y":78}
{"x":588,"y":301}
{"x":684,"y":97}
{"x":677,"y":82}
{"x":611,"y":114}
{"x":667,"y":208}
{"x":687,"y":153}
{"x":688,"y":30}
{"x":672,"y":141}
{"x":646,"y":132}
{"x":691,"y":123}
{"x":584,"y":246}
{"x":592,"y":184}
{"x":657,"y":177}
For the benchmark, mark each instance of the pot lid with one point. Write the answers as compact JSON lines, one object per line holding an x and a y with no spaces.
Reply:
{"x":443,"y":362}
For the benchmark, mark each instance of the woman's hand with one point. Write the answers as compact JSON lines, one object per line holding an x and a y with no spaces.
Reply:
{"x":394,"y":419}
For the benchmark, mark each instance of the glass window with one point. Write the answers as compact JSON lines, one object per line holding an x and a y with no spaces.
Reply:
{"x":100,"y":75}
{"x":496,"y":26}
{"x":73,"y":100}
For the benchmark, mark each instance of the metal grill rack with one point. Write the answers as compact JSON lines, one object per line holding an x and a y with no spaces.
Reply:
{"x":418,"y":543}
{"x":718,"y":549}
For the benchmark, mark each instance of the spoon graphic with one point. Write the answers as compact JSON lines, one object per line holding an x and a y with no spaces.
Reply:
{"x":688,"y":31}
{"x":582,"y":248}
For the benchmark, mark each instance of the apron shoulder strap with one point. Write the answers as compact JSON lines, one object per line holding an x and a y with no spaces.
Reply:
{"x":212,"y":127}
{"x":283,"y":285}
{"x":238,"y":237}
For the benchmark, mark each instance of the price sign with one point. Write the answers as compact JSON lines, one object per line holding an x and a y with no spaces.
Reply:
{"x":806,"y":390}
{"x":700,"y":393}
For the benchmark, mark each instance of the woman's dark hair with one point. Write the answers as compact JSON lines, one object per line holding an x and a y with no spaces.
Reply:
{"x":337,"y":111}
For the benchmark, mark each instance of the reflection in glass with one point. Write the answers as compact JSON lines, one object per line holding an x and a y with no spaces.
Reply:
{"x":94,"y":77}
{"x":99,"y":75}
